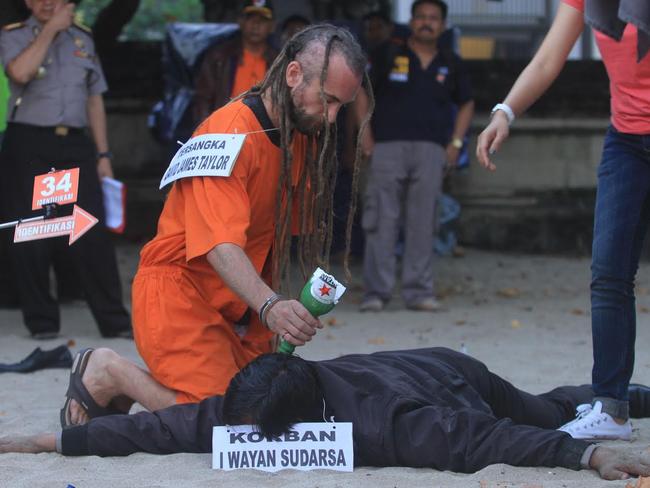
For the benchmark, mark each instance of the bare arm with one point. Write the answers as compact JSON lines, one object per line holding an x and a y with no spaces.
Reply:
{"x":28,"y":443}
{"x":534,"y":80}
{"x":25,"y":66}
{"x":97,"y":121}
{"x":287,"y":316}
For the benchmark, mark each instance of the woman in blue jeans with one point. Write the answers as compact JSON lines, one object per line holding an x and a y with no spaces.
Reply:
{"x":623,"y":198}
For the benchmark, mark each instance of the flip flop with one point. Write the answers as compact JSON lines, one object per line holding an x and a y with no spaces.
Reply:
{"x":78,"y":392}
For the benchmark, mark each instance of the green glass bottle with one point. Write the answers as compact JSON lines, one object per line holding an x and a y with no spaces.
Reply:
{"x":320,"y":294}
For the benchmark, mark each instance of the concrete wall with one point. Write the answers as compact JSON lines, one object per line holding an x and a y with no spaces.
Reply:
{"x":541,"y":197}
{"x":136,"y":152}
{"x":539,"y":155}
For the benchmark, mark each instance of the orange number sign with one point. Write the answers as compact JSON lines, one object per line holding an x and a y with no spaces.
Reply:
{"x":58,"y":187}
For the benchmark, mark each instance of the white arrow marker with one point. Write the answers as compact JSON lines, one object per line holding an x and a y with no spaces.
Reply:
{"x":74,"y":225}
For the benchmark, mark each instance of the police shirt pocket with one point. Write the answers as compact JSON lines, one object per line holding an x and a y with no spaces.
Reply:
{"x":79,"y":71}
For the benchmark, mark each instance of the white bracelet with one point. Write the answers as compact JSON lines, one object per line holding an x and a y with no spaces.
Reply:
{"x":505,"y":108}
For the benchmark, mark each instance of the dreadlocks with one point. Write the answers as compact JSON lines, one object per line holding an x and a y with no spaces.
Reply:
{"x":312,"y":48}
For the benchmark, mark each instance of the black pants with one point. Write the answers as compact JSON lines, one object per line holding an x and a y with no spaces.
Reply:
{"x":549,"y":410}
{"x":29,"y":151}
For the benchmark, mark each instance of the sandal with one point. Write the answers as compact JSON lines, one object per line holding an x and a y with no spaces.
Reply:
{"x":78,"y":392}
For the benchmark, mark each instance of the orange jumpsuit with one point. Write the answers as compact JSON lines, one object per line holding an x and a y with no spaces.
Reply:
{"x":184,"y":315}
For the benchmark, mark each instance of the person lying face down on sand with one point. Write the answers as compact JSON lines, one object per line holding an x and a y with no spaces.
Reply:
{"x":431,"y":407}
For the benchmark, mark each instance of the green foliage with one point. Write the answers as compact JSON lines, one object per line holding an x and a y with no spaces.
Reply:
{"x":150,"y":19}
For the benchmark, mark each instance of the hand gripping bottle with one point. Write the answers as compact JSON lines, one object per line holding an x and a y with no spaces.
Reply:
{"x":319,"y":295}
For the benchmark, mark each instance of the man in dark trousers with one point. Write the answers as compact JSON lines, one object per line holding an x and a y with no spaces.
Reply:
{"x":432,"y":408}
{"x":417,"y":87}
{"x":56,"y":92}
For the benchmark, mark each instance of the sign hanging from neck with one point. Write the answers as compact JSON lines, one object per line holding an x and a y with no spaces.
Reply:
{"x":204,"y":155}
{"x":305,"y":447}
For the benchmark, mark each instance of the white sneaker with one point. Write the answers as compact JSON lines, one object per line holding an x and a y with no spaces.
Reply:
{"x":592,"y":423}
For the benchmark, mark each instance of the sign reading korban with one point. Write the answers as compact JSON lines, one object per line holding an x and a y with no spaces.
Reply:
{"x":204,"y":155}
{"x":305,"y":447}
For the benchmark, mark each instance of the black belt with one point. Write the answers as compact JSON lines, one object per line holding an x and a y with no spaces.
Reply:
{"x":59,"y":130}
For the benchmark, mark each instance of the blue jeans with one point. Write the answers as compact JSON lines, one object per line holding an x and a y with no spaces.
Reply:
{"x":620,"y":224}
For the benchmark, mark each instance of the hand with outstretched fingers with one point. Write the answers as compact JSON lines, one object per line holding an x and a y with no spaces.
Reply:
{"x":32,"y":444}
{"x":490,"y":140}
{"x":619,"y":464}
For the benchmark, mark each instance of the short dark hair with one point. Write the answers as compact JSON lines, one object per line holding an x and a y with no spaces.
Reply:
{"x":439,"y":3}
{"x":378,"y":14}
{"x":273,"y":392}
{"x":295,"y":18}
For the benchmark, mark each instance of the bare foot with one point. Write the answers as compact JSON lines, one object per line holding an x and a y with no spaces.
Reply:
{"x":97,"y":380}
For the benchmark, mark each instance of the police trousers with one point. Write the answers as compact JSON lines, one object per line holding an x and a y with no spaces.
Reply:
{"x":29,"y":151}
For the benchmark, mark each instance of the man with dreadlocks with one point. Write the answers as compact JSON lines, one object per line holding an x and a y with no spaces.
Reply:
{"x":223,"y":243}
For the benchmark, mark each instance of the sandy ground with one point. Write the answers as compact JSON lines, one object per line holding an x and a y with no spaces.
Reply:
{"x":527,"y":317}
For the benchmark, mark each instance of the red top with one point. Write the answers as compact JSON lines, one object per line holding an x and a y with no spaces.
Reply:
{"x":629,"y":81}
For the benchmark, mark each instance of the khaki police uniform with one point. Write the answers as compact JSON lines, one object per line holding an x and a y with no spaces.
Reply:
{"x":46,"y":129}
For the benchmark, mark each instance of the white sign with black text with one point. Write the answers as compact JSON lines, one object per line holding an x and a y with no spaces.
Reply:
{"x":307,"y":446}
{"x":204,"y":155}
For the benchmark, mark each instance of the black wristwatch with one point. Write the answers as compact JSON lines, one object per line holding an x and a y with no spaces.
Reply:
{"x":105,"y":154}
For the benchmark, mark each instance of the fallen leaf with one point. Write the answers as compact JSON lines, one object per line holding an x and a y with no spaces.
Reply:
{"x":515,"y":324}
{"x":577,"y":311}
{"x":642,"y":482}
{"x":71,"y":343}
{"x":644,"y":309}
{"x":378,"y":341}
{"x":332,"y":322}
{"x":460,"y":322}
{"x":509,"y":292}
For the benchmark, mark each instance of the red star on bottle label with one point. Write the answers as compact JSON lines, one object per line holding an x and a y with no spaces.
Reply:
{"x":324,"y":290}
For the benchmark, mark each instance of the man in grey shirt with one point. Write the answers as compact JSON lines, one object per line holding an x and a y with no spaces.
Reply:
{"x":56,"y":92}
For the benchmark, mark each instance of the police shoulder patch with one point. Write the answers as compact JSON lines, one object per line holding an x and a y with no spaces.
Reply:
{"x":82,"y":27}
{"x":14,"y":26}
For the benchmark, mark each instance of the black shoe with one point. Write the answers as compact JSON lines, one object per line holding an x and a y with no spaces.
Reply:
{"x":639,"y":400}
{"x":58,"y":357}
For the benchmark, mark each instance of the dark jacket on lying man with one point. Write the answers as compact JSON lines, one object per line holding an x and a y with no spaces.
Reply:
{"x":422,"y":408}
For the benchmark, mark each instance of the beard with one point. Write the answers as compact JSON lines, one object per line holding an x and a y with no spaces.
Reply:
{"x":304,"y":123}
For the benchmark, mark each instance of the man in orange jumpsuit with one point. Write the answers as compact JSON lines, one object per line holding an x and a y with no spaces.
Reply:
{"x":205,"y":276}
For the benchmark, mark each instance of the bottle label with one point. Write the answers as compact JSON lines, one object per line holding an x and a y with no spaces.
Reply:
{"x":324,"y":288}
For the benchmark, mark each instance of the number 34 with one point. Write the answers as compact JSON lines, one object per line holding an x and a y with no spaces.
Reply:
{"x":52,"y":185}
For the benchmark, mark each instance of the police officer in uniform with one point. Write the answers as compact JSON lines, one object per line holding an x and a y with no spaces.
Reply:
{"x":56,"y":86}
